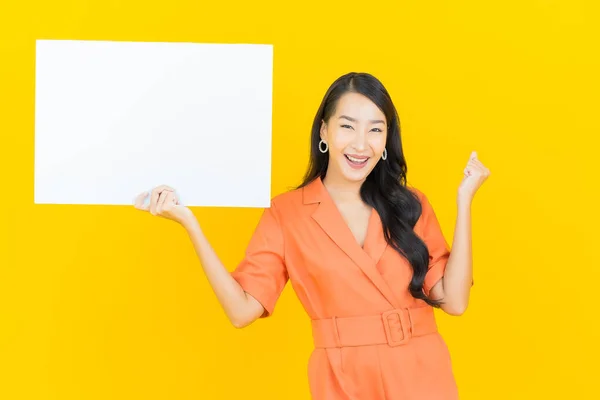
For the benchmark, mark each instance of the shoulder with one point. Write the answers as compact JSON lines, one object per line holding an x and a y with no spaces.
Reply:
{"x":418,"y":194}
{"x":425,"y":207}
{"x":288,"y":197}
{"x":287,"y":203}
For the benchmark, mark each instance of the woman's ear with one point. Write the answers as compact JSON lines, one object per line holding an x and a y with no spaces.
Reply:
{"x":323,"y":130}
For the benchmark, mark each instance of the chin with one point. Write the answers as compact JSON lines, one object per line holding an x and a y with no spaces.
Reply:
{"x":356,"y":175}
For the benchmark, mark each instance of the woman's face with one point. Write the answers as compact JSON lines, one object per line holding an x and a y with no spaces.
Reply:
{"x":356,"y":135}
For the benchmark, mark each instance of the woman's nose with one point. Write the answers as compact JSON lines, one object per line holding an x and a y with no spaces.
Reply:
{"x":360,"y":141}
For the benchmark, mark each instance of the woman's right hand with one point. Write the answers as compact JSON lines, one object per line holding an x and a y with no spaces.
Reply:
{"x":165,"y":203}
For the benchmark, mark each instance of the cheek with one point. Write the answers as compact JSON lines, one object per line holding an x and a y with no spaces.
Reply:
{"x":340,"y":140}
{"x":377,"y":143}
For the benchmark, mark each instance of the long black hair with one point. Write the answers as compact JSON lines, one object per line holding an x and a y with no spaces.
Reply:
{"x":385,"y":187}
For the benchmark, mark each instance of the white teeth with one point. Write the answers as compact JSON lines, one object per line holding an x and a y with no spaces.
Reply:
{"x":356,"y":160}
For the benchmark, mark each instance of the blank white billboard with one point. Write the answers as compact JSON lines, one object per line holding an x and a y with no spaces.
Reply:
{"x":113,"y":119}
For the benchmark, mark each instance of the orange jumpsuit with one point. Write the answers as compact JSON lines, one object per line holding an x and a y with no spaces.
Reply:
{"x":372,"y":339}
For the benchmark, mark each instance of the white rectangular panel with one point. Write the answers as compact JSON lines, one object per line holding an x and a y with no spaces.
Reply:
{"x":113,"y":119}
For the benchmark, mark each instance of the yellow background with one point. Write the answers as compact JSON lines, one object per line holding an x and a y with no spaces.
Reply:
{"x":110,"y":303}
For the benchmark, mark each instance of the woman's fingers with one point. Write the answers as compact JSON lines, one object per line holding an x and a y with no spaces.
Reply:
{"x":156,"y":192}
{"x":157,"y":200}
{"x":140,"y":201}
{"x":161,"y":201}
{"x":475,"y":167}
{"x":165,"y":202}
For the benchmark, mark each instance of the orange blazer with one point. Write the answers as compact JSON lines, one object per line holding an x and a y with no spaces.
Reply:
{"x":372,"y":339}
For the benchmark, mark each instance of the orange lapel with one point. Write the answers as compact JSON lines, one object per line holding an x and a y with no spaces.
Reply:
{"x":375,"y":243}
{"x":331,"y":221}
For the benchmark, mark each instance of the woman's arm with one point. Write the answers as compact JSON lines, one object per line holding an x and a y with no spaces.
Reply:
{"x":241,"y":308}
{"x":455,"y":287}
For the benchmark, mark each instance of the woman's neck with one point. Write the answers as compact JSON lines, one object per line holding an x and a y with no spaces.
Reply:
{"x":342,"y":190}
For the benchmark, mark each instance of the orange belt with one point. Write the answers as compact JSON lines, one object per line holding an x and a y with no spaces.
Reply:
{"x":394,"y":327}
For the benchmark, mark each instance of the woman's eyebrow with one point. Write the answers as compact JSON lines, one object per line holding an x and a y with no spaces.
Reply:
{"x":373,"y":121}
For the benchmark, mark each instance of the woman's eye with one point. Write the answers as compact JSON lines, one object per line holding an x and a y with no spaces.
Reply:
{"x":378,"y":130}
{"x":346,"y":126}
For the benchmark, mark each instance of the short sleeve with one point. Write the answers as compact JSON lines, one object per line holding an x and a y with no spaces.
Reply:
{"x":262,"y":272}
{"x":439,"y":249}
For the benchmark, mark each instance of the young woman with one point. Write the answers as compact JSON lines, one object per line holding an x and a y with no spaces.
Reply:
{"x":363,"y":251}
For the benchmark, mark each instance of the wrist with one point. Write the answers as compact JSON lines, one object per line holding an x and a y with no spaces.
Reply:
{"x":464,"y":200}
{"x":190,"y":223}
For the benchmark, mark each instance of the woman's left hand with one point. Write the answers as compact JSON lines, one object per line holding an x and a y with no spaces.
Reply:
{"x":475,"y":174}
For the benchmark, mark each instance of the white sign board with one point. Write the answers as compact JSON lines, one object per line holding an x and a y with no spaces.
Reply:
{"x":114,"y":119}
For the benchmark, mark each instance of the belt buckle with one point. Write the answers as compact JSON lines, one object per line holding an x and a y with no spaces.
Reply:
{"x":404,"y":323}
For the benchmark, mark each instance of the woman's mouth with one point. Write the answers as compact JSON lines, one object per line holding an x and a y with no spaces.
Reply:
{"x":356,"y":162}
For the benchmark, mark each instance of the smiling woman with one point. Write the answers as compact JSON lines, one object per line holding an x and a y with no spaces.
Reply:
{"x":364,"y":252}
{"x":356,"y":137}
{"x":361,"y":161}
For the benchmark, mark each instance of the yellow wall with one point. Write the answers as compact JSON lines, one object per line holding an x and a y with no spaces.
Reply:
{"x":110,"y":303}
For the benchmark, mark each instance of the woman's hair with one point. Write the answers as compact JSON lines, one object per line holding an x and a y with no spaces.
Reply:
{"x":385,"y":187}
